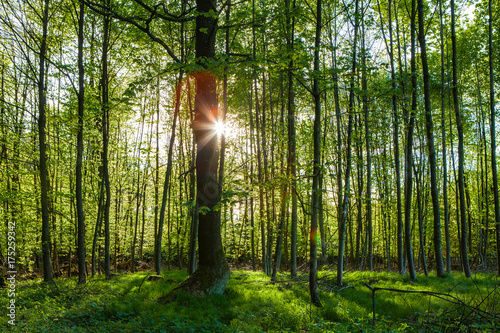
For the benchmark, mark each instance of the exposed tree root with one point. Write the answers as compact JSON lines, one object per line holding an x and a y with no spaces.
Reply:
{"x":204,"y":281}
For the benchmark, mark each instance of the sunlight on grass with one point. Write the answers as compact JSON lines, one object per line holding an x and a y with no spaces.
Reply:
{"x":126,"y":303}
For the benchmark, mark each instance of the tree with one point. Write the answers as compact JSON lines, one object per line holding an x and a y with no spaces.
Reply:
{"x":105,"y":142}
{"x":82,"y":267}
{"x":44,"y":184}
{"x":458,"y":117}
{"x":409,"y":149}
{"x":166,"y":184}
{"x":345,"y":200}
{"x":443,"y":144}
{"x":366,"y":112}
{"x":103,"y":96}
{"x":492,"y":132}
{"x":429,"y":125}
{"x":317,"y":168}
{"x":212,"y":273}
{"x":292,"y":157}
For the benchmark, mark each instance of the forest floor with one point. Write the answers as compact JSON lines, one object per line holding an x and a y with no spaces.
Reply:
{"x":126,"y":303}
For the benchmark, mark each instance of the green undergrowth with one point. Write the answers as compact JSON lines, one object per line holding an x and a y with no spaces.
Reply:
{"x":126,"y":303}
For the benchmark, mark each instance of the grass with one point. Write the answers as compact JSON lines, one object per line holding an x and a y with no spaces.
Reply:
{"x":127,"y":303}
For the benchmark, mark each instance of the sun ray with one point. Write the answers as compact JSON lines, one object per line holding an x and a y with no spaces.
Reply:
{"x":220,"y":128}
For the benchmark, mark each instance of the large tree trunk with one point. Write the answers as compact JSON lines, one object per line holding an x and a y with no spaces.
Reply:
{"x":212,"y":274}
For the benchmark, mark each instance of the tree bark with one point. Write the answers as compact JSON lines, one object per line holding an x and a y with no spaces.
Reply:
{"x":82,"y":267}
{"x":260,"y":132}
{"x":212,"y":274}
{"x":316,"y":190}
{"x":493,"y":134}
{"x":166,"y":183}
{"x":105,"y":141}
{"x":409,"y":149}
{"x":368,"y":198}
{"x":429,"y":125}
{"x":345,"y":200}
{"x":193,"y":236}
{"x":443,"y":143}
{"x":292,"y":157}
{"x":44,"y":183}
{"x":458,"y":116}
{"x":97,"y":226}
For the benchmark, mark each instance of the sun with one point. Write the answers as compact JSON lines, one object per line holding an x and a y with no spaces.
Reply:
{"x":219,"y":128}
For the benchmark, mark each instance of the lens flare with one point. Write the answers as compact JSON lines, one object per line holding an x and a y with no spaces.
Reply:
{"x":219,"y":128}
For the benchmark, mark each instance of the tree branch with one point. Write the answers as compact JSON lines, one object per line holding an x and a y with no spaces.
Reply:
{"x":106,"y":11}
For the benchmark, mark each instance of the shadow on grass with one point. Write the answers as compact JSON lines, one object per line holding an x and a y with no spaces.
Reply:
{"x":127,"y":303}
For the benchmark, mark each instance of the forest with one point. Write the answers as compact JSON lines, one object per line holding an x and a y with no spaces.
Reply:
{"x":249,"y":165}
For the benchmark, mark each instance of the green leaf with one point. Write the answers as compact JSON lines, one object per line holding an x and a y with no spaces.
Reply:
{"x":203,"y":210}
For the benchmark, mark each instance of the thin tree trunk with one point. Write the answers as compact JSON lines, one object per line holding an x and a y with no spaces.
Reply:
{"x":443,"y":143}
{"x":292,"y":157}
{"x":224,"y":103}
{"x":284,"y":195}
{"x":345,"y":200}
{"x":157,"y":169}
{"x":458,"y":115}
{"x":483,"y":191}
{"x":44,"y":183}
{"x":395,"y":114}
{"x":369,"y":222}
{"x":420,"y":208}
{"x":409,"y":150}
{"x":385,"y":215}
{"x":192,"y":196}
{"x":82,"y":267}
{"x":138,"y":195}
{"x":430,"y":143}
{"x":261,"y":180}
{"x":269,"y":227}
{"x":105,"y":140}
{"x":167,"y":176}
{"x":360,"y":257}
{"x":493,"y":134}
{"x":336,"y":98}
{"x":97,"y":226}
{"x":252,"y":213}
{"x":141,"y":242}
{"x":316,"y":190}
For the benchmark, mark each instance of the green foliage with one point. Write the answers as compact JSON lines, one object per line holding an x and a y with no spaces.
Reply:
{"x":251,"y":303}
